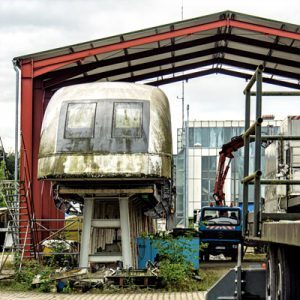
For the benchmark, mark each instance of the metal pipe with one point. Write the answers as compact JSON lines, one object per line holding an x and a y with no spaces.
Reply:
{"x":246,"y":162}
{"x":251,"y":177}
{"x":251,"y":129}
{"x":278,"y":181}
{"x":252,"y":80}
{"x":274,"y":93}
{"x":182,"y":105}
{"x":257,"y":163}
{"x":277,"y":137}
{"x":17,"y":119}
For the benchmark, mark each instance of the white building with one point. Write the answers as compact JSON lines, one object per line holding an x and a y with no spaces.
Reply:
{"x":205,"y":141}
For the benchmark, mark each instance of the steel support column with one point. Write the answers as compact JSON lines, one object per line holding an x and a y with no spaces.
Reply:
{"x":26,"y":121}
{"x":246,"y":162}
{"x":257,"y":163}
{"x":26,"y":157}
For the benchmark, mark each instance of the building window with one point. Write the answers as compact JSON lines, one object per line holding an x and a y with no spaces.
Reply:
{"x":208,"y":179}
{"x":127,"y":120}
{"x":80,"y":121}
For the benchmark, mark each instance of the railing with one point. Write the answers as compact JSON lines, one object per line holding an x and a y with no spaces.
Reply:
{"x":253,"y":133}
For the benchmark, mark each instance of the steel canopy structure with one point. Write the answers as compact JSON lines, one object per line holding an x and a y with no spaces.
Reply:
{"x":228,"y":43}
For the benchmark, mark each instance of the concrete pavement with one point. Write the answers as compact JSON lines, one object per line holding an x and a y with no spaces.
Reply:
{"x":8,"y":295}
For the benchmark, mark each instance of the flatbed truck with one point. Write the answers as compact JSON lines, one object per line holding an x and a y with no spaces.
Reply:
{"x":275,"y":221}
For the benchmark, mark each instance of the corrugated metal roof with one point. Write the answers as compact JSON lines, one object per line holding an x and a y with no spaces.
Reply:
{"x":228,"y":43}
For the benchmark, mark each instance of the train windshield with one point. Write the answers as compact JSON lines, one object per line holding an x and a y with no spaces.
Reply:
{"x":127,"y":119}
{"x":80,"y":120}
{"x":223,"y":216}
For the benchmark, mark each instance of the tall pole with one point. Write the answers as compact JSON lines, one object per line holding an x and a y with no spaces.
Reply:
{"x":182,"y":10}
{"x":182,"y":98}
{"x":186,"y":204}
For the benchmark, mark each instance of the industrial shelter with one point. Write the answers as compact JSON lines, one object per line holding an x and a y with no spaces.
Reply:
{"x":227,"y":43}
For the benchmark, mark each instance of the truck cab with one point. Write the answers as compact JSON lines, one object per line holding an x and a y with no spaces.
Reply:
{"x":220,"y":231}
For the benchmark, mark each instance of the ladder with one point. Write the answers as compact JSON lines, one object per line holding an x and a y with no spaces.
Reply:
{"x":20,"y":228}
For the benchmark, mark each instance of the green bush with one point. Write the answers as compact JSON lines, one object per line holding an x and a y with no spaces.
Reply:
{"x":174,"y":268}
{"x":28,"y":271}
{"x":174,"y":275}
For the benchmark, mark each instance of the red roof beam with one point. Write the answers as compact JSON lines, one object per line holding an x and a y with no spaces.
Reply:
{"x":265,"y":30}
{"x":128,"y":44}
{"x":55,"y":62}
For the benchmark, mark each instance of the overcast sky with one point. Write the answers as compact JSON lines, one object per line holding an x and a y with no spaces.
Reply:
{"x":28,"y":26}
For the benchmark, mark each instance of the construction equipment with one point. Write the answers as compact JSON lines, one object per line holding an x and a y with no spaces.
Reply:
{"x":220,"y":226}
{"x":226,"y":152}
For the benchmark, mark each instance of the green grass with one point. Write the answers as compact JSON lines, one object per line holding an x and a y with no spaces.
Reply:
{"x":210,"y":277}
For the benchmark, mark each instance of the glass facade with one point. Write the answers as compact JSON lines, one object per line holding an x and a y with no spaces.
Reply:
{"x":212,"y":137}
{"x":205,"y":141}
{"x":208,"y":178}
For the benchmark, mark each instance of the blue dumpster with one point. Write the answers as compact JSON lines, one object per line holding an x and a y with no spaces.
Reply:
{"x":147,"y":249}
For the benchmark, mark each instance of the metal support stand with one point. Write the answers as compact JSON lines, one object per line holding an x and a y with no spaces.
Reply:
{"x":86,"y":232}
{"x":256,"y":78}
{"x":125,"y":232}
{"x":246,"y":162}
{"x":238,"y":286}
{"x":257,"y":190}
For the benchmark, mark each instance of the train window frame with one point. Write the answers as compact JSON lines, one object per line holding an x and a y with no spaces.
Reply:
{"x":71,"y":132}
{"x":127,"y":131}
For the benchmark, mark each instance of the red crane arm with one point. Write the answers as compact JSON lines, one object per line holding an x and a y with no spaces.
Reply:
{"x":226,"y":152}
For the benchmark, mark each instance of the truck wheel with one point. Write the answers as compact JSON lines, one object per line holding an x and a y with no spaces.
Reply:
{"x":271,"y":273}
{"x":282,"y":274}
{"x":287,"y":281}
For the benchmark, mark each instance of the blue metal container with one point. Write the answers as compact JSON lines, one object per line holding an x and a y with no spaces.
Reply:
{"x":147,"y":250}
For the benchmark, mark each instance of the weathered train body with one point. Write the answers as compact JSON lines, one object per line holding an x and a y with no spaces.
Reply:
{"x":106,"y":130}
{"x":108,"y":146}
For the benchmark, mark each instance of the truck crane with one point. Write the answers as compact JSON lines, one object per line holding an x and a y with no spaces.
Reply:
{"x":220,"y":225}
{"x":226,"y":152}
